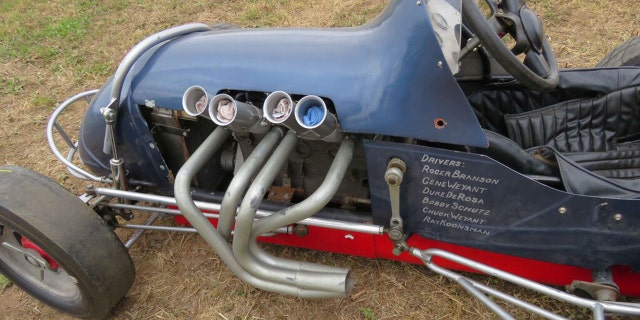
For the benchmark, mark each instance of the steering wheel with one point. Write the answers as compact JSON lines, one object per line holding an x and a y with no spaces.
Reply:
{"x":539,"y":70}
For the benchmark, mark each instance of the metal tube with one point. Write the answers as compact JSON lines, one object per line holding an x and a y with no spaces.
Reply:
{"x":210,"y":234}
{"x":337,"y":281}
{"x":195,"y":101}
{"x":52,"y":144}
{"x":141,"y":227}
{"x":464,"y":283}
{"x":278,"y":109}
{"x":305,"y":209}
{"x":144,"y":227}
{"x":225,"y":111}
{"x":312,"y":114}
{"x":316,"y":222}
{"x":241,"y":179}
{"x":136,"y":236}
{"x":426,"y":255}
{"x":144,"y":45}
{"x":316,"y":201}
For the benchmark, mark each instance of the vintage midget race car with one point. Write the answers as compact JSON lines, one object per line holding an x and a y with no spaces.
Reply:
{"x":420,"y":136}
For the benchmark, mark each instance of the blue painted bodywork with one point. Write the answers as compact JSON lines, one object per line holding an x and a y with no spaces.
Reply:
{"x":471,"y":200}
{"x":143,"y":160}
{"x":383,"y":77}
{"x":386,"y":77}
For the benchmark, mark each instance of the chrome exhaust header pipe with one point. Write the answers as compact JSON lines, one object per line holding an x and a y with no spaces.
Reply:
{"x":278,"y":109}
{"x":184,"y":200}
{"x":241,"y":179}
{"x":312,"y":114}
{"x":303,"y":210}
{"x":330,"y":279}
{"x":237,"y":116}
{"x":195,"y":101}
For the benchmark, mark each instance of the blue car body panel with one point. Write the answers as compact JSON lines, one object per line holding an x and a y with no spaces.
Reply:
{"x":470,"y":200}
{"x":386,"y":77}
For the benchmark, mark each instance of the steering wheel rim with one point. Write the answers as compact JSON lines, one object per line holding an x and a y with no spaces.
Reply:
{"x":506,"y":58}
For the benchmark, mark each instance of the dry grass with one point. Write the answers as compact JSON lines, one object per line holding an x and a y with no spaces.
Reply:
{"x":51,"y":50}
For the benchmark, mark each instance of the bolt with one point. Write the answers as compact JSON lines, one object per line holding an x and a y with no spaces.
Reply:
{"x":395,"y":234}
{"x":109,"y":115}
{"x":392,"y":179}
{"x":419,"y":2}
{"x":562,"y":210}
{"x":440,"y":64}
{"x":91,"y":190}
{"x":300,"y":230}
{"x":397,"y":163}
{"x":617,"y":217}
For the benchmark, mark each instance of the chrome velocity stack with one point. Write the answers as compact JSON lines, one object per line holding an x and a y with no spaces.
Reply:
{"x":278,"y":109}
{"x":195,"y":100}
{"x":237,"y":116}
{"x":311,"y":113}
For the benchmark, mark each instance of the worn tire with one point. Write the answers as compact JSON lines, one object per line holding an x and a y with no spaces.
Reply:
{"x":88,"y":269}
{"x":626,"y":54}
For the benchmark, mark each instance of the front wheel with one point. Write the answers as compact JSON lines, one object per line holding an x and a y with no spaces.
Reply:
{"x":57,"y":249}
{"x":626,"y":54}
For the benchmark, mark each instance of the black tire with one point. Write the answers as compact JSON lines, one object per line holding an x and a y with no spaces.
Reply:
{"x":626,"y":54}
{"x":95,"y":270}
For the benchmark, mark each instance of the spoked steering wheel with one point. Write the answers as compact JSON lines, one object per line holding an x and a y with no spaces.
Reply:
{"x":539,"y":70}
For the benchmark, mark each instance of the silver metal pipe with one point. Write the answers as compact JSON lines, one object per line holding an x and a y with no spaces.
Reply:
{"x":209,"y":206}
{"x":426,"y":257}
{"x":51,"y":124}
{"x":237,"y":116}
{"x":144,"y":45}
{"x":337,"y":281}
{"x":317,"y":200}
{"x":144,"y":227}
{"x":129,"y":60}
{"x":186,"y":204}
{"x":278,"y":109}
{"x":195,"y":101}
{"x":312,"y":114}
{"x":241,"y":179}
{"x":136,"y":236}
{"x":305,"y":209}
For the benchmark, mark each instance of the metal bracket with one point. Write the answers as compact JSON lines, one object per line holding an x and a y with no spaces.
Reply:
{"x":393,"y":176}
{"x":597,"y":291}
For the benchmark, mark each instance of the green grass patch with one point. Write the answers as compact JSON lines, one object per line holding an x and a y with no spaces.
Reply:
{"x":4,"y":283}
{"x":368,"y":314}
{"x":11,"y":86}
{"x":68,"y":28}
{"x":33,"y":34}
{"x":43,"y":102}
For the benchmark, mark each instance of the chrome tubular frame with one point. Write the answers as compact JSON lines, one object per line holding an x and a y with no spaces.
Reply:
{"x":482,"y":292}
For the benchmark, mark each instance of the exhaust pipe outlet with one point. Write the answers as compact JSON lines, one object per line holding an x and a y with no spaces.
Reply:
{"x":312,"y":114}
{"x":195,"y":100}
{"x":237,"y":116}
{"x":278,"y":108}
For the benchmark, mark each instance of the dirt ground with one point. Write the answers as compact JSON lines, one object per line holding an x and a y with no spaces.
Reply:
{"x":178,"y":276}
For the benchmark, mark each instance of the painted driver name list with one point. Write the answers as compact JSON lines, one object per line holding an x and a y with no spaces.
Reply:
{"x":452,"y":197}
